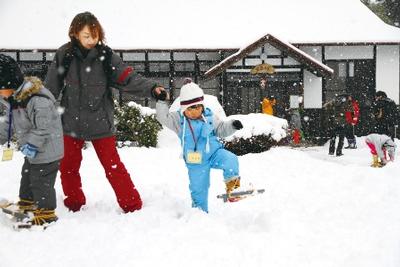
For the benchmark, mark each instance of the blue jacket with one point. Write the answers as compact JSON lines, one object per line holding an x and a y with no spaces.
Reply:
{"x":203,"y":138}
{"x":206,"y":131}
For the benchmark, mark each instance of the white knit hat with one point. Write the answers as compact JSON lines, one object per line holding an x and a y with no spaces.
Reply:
{"x":191,"y":94}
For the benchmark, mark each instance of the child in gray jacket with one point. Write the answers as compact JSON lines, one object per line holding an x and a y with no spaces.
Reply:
{"x":380,"y":144}
{"x":33,"y":118}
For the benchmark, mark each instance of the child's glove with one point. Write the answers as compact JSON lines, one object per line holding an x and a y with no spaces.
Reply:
{"x":161,"y":96}
{"x":29,"y":150}
{"x":232,"y":184}
{"x":237,"y":124}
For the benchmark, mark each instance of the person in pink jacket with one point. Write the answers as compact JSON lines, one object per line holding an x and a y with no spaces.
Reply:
{"x":382,"y":149}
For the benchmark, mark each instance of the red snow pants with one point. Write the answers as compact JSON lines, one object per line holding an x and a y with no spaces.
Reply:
{"x":127,"y":196}
{"x":372,"y":148}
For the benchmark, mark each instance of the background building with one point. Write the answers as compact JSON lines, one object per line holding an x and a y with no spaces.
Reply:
{"x":316,"y":48}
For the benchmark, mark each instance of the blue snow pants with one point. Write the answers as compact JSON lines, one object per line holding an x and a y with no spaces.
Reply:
{"x":199,"y":175}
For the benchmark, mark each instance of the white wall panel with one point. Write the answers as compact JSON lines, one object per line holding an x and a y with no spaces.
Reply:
{"x":314,"y":51}
{"x":312,"y":90}
{"x":349,"y":52}
{"x":388,"y":70}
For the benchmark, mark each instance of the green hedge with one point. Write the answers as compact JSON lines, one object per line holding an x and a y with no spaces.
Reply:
{"x":254,"y":144}
{"x":134,"y":128}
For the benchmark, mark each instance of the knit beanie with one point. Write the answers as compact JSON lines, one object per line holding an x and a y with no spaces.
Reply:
{"x":380,"y":94}
{"x":191,"y":94}
{"x":10,"y":74}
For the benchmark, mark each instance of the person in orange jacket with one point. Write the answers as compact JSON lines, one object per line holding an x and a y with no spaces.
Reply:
{"x":268,"y":105}
{"x":352,"y":116}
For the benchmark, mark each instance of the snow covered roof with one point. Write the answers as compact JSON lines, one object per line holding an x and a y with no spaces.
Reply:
{"x":175,"y":24}
{"x":310,"y":63}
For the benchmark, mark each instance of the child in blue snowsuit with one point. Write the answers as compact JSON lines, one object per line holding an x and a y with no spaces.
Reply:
{"x":198,"y":128}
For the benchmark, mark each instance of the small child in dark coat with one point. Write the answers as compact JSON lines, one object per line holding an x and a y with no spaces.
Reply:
{"x":35,"y":122}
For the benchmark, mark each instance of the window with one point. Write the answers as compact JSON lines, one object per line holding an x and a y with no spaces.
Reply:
{"x":31,"y":56}
{"x":139,"y":67}
{"x":50,"y":56}
{"x":184,"y":56}
{"x":159,"y":56}
{"x":155,"y":66}
{"x":184,"y":66}
{"x":342,"y":69}
{"x":133,"y":56}
{"x":351,"y":69}
{"x":205,"y":66}
{"x":212,"y":56}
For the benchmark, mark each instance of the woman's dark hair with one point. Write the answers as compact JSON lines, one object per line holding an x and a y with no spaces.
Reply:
{"x":83,"y":19}
{"x":380,"y":94}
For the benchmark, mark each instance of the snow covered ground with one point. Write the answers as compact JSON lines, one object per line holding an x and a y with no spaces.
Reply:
{"x":317,"y":210}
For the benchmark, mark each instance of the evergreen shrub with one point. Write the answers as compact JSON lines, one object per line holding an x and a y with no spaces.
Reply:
{"x":134,"y":127}
{"x":254,"y":144}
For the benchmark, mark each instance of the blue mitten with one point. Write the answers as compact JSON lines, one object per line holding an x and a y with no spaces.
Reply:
{"x":29,"y":150}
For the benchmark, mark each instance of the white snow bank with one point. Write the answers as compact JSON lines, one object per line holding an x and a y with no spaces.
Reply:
{"x":253,"y":124}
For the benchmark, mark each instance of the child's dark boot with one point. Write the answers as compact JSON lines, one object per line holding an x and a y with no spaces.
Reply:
{"x":25,"y":205}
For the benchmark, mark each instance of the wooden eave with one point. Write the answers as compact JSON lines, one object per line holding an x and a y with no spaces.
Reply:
{"x":309,"y":63}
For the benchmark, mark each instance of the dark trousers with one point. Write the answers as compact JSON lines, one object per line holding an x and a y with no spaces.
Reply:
{"x":37,"y":184}
{"x":348,"y":128}
{"x":127,"y":196}
{"x":338,"y":131}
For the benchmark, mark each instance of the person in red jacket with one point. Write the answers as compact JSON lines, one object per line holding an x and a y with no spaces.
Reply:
{"x":352,"y":116}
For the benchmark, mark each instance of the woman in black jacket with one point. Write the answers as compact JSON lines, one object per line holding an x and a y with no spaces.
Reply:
{"x":82,"y":74}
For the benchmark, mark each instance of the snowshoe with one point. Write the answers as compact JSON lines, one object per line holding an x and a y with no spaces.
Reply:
{"x":240,"y":194}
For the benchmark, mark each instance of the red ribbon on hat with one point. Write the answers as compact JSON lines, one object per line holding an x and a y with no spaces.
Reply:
{"x":191,"y":101}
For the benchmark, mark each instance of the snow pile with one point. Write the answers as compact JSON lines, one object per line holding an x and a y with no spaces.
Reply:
{"x":259,"y":124}
{"x":145,"y":111}
{"x":253,"y":124}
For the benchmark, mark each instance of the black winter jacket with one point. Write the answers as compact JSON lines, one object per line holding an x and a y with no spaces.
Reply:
{"x":85,"y":91}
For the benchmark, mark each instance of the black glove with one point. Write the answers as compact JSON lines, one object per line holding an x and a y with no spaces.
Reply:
{"x":161,"y":96}
{"x":237,"y":124}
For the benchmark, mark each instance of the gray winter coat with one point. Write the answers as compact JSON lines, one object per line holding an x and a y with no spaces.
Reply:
{"x":86,"y":93}
{"x":36,"y":122}
{"x":380,"y":140}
